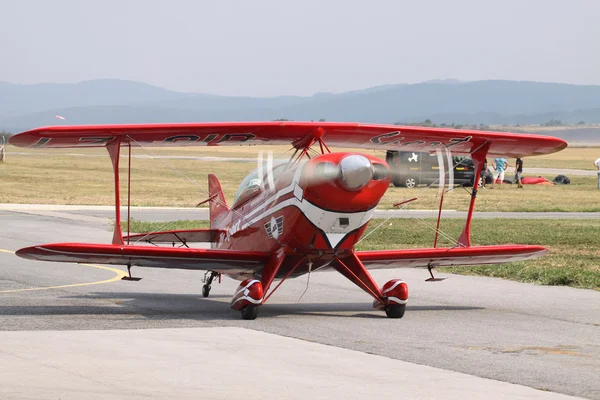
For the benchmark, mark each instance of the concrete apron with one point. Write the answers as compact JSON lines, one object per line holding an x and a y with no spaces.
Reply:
{"x":219,"y":363}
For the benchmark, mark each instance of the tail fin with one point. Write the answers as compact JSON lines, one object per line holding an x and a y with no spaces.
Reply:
{"x":217,"y":206}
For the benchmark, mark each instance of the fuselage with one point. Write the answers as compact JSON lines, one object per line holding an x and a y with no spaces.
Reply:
{"x":317,"y":208}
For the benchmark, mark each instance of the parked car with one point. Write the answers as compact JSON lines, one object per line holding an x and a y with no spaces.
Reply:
{"x":410,"y":169}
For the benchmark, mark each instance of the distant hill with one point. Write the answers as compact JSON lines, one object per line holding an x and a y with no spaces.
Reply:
{"x":450,"y":101}
{"x":590,"y":116}
{"x":23,"y":99}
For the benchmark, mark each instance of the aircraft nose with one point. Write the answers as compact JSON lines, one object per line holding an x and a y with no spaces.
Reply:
{"x":356,"y":171}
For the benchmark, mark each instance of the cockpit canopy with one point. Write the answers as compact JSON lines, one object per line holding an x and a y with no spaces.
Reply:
{"x":256,"y":181}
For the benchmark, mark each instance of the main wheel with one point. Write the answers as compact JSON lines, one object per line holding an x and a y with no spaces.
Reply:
{"x":250,"y":311}
{"x":410,"y":182}
{"x":205,"y":290}
{"x":395,"y":310}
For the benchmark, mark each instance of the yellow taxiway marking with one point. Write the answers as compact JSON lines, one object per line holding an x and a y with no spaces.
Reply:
{"x":118,"y":275}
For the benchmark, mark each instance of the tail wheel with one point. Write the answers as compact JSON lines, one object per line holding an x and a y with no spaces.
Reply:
{"x":250,"y":311}
{"x":208,"y":279}
{"x":410,"y":182}
{"x":395,"y":310}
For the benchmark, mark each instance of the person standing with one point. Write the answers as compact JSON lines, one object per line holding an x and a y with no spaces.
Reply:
{"x":484,"y":170}
{"x":597,"y":164}
{"x":519,"y":172}
{"x":499,"y":165}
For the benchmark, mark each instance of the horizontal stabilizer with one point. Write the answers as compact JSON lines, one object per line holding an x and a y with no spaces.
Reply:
{"x":225,"y":261}
{"x":182,"y":236}
{"x":444,"y":257}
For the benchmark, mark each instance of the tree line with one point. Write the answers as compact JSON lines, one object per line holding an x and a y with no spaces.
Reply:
{"x":482,"y":127}
{"x":4,"y":135}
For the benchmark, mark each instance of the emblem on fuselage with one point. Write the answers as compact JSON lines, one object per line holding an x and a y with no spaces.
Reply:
{"x":274,"y":227}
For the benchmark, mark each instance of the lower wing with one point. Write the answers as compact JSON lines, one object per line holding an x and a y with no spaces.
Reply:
{"x":236,"y":262}
{"x":442,"y":257}
{"x":225,"y":261}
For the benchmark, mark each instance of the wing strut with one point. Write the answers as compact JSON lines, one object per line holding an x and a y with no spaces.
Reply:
{"x":478,"y":157}
{"x":442,"y":184}
{"x":114,"y":150}
{"x":354,"y":270}
{"x":129,"y":194}
{"x":270,"y":278}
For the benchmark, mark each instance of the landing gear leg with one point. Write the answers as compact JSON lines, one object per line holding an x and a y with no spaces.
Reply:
{"x":208,"y":278}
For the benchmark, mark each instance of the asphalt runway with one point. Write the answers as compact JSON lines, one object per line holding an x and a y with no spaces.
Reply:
{"x":541,"y":337}
{"x":103,"y":214}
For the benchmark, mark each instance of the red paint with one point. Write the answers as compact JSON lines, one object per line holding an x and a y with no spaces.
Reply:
{"x":308,"y":221}
{"x":329,"y":194}
{"x":128,"y":193}
{"x":250,"y":291}
{"x":473,"y":255}
{"x":114,"y":151}
{"x":353,"y":269}
{"x":395,"y":292}
{"x":336,"y":134}
{"x":478,"y":157}
{"x":395,"y":288}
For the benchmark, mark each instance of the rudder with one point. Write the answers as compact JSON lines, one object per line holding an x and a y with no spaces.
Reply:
{"x":217,"y":205}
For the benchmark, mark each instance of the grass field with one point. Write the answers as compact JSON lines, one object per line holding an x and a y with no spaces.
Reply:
{"x":546,"y":130}
{"x":574,"y":258}
{"x":84,"y":176}
{"x":570,"y":158}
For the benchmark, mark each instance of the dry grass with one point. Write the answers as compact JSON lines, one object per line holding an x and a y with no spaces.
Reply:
{"x":581,"y":195}
{"x":544,"y":129}
{"x":569,"y":158}
{"x":193,"y":151}
{"x":64,"y":176}
{"x":64,"y":179}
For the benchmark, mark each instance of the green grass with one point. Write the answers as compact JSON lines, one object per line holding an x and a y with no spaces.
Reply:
{"x":574,"y":258}
{"x":147,"y":226}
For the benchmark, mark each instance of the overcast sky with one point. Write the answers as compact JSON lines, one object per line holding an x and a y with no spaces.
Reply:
{"x":275,"y":47}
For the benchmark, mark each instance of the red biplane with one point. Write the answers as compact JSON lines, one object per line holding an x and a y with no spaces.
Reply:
{"x":290,"y":219}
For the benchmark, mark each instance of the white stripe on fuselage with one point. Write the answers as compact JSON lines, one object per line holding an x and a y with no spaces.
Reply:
{"x":277,"y":195}
{"x":327,"y":221}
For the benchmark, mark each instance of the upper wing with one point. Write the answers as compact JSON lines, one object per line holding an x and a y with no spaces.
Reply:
{"x":351,"y":135}
{"x":226,"y":261}
{"x":443,"y":257}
